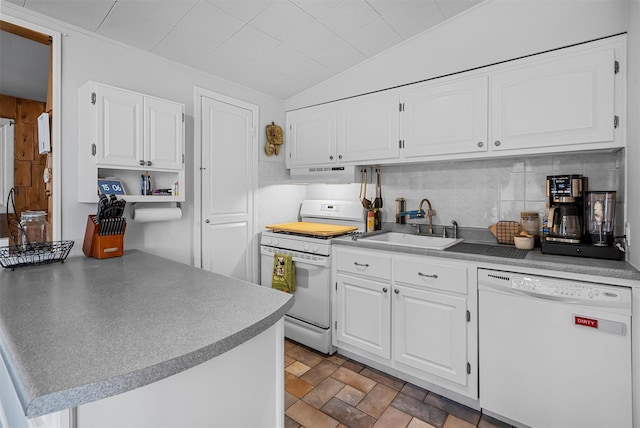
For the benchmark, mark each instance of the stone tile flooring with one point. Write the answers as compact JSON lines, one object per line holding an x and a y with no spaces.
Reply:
{"x":334,"y":391}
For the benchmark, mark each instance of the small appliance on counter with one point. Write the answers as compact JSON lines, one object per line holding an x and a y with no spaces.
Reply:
{"x":580,"y":223}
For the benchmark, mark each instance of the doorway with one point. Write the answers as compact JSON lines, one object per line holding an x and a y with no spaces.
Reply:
{"x":225,"y":185}
{"x":42,"y":178}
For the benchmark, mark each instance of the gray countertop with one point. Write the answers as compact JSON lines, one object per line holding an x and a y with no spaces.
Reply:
{"x":534,"y":260}
{"x":87,"y":329}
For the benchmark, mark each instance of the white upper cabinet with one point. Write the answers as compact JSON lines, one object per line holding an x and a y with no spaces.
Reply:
{"x":163,"y":136}
{"x":124,"y":133}
{"x":445,"y":118}
{"x":118,"y":126}
{"x":133,"y":129}
{"x":565,"y":100}
{"x":568,"y":100}
{"x":368,"y":128}
{"x":312,"y":137}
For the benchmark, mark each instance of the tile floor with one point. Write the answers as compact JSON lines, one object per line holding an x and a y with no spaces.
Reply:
{"x":334,"y":391}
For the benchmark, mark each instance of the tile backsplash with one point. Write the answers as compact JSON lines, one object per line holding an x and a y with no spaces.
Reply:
{"x":479,"y":193}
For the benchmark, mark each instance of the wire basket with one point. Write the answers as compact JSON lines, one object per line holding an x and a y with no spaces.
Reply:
{"x":34,"y":254}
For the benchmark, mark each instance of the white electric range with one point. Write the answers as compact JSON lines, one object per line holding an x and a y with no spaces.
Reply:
{"x":309,"y":243}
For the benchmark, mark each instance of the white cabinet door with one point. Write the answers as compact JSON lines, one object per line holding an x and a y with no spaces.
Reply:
{"x":364,"y":315}
{"x":563,"y":101}
{"x":164,"y":133}
{"x":430,"y":332}
{"x":369,"y":129}
{"x":445,"y":118}
{"x":311,"y":137}
{"x":118,"y":127}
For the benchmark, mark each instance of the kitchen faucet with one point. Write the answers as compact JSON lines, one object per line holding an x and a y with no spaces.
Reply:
{"x":430,"y":213}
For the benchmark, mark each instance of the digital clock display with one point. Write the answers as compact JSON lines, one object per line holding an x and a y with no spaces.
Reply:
{"x":110,"y":186}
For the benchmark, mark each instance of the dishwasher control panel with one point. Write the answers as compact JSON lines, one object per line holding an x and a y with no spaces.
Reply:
{"x":579,"y":291}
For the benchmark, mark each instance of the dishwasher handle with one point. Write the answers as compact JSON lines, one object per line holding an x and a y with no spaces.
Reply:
{"x":508,"y":290}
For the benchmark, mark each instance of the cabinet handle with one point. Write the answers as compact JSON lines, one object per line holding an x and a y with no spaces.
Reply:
{"x":148,"y":163}
{"x":207,"y":221}
{"x":339,"y":156}
{"x":480,"y":144}
{"x":384,"y":289}
{"x":361,"y":264}
{"x":141,"y":162}
{"x":396,"y":291}
{"x":424,"y":275}
{"x":331,"y":157}
{"x":497,"y":143}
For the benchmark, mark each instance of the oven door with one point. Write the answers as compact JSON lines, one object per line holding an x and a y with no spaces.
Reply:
{"x":313,"y":284}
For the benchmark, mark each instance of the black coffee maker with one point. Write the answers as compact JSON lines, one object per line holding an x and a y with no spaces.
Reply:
{"x":566,"y":208}
{"x":566,"y":232}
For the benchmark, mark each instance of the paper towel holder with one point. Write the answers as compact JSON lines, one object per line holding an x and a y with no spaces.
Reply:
{"x":133,"y":208}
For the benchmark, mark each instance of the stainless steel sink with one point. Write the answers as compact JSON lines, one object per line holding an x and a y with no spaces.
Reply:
{"x":409,"y":240}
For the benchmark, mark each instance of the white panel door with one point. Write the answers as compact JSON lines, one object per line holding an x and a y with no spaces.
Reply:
{"x":429,"y":331}
{"x":364,"y":315}
{"x":119,"y":127}
{"x":369,"y":129}
{"x":164,"y":133}
{"x":565,"y":101}
{"x":228,"y":155}
{"x":445,"y":118}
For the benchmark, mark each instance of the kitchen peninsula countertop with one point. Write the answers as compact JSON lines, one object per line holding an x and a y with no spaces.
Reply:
{"x":87,"y":329}
{"x":534,"y":260}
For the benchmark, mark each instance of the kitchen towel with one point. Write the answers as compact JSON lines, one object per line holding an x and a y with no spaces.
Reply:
{"x":284,"y":273}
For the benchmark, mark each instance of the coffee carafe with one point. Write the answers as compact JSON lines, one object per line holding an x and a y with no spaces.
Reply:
{"x":566,"y":196}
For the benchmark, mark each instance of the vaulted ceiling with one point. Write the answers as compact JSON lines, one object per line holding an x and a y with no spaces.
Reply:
{"x":279,"y":47}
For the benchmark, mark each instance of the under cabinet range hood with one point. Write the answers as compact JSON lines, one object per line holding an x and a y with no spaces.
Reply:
{"x":327,"y":174}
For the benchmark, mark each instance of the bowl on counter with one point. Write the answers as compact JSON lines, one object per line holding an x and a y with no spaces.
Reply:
{"x":524,"y":242}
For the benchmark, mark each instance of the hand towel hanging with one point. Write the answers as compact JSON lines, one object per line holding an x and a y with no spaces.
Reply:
{"x":284,"y":273}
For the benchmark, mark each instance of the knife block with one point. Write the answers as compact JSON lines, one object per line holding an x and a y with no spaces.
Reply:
{"x":101,"y":246}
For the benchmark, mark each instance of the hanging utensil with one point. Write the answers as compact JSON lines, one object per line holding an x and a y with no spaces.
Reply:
{"x":377,"y":203}
{"x":366,"y":203}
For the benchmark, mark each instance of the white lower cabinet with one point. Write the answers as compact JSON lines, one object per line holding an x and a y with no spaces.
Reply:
{"x":414,"y":315}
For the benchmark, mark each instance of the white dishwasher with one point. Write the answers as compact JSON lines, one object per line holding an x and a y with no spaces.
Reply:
{"x":554,"y":353}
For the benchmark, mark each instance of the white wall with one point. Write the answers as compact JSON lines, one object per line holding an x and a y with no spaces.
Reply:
{"x":88,"y":57}
{"x":633,"y":131}
{"x":494,"y":31}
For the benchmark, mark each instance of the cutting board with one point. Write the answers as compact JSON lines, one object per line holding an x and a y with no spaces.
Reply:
{"x":307,"y":228}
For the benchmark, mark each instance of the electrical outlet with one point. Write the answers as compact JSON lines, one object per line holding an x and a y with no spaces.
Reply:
{"x":627,"y":233}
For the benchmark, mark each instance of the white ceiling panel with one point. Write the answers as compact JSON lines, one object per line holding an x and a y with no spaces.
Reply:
{"x":279,"y":47}
{"x":129,"y":25}
{"x":348,"y":17}
{"x":413,"y":17}
{"x":312,"y":39}
{"x":84,"y":14}
{"x":374,"y":37}
{"x":281,"y":20}
{"x":317,"y":8}
{"x":244,"y":10}
{"x":339,"y":57}
{"x":168,"y":11}
{"x":251,"y":43}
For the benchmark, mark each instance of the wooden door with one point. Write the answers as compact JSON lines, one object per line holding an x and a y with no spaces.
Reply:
{"x":229,"y":153}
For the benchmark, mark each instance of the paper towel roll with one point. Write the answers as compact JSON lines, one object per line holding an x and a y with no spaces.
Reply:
{"x":145,"y":215}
